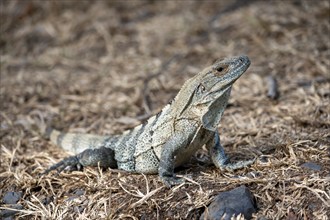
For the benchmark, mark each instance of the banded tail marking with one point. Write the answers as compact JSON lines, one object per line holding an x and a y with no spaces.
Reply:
{"x":76,"y":142}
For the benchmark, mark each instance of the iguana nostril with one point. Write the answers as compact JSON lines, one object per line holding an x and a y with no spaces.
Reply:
{"x":244,"y":59}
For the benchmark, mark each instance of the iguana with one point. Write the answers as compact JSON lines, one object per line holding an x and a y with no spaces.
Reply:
{"x":169,"y":138}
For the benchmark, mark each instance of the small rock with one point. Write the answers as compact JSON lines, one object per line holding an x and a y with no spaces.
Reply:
{"x":311,"y":166}
{"x":11,"y":197}
{"x":233,"y":202}
{"x":8,"y":214}
{"x":47,"y":200}
{"x":273,"y":92}
{"x":263,"y":159}
{"x":78,"y":209}
{"x":77,"y":193}
{"x":313,"y":207}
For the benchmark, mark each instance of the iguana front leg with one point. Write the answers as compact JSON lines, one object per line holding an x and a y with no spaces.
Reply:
{"x":219,"y":157}
{"x":167,"y":160}
{"x":103,"y":157}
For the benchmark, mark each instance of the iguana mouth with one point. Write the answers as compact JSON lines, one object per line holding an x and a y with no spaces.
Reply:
{"x":213,"y":95}
{"x":223,"y":90}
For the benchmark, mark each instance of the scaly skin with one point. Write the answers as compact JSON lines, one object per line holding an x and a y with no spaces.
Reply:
{"x":171,"y":137}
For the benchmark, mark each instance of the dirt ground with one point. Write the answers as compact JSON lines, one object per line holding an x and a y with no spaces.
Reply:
{"x":106,"y":66}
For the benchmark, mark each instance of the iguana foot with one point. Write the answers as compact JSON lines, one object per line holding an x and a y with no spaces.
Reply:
{"x":170,"y":181}
{"x":70,"y":162}
{"x":103,"y":157}
{"x":237,"y":165}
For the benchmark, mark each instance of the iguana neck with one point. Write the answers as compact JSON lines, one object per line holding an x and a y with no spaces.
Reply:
{"x":205,"y":96}
{"x":212,"y":118}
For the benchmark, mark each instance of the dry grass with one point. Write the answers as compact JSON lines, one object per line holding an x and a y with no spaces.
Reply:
{"x":102,"y":68}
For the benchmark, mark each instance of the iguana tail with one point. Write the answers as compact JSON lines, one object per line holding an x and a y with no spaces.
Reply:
{"x":75,"y":142}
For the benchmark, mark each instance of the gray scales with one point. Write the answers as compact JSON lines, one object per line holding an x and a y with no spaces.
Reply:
{"x":168,"y":139}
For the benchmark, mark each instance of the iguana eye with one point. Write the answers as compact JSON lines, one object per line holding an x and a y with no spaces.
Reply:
{"x":220,"y":69}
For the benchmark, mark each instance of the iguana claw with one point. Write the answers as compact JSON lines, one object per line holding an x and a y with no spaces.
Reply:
{"x":170,"y":181}
{"x":70,"y":162}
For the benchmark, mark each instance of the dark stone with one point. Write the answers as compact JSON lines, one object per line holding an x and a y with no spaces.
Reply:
{"x":263,"y":159}
{"x":233,"y":202}
{"x":79,"y":192}
{"x":311,"y":166}
{"x":47,"y":200}
{"x":11,"y":197}
{"x":76,"y":194}
{"x":78,"y":209}
{"x":8,"y":214}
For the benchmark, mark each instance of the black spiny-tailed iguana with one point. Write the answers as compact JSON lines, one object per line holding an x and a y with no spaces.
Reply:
{"x":171,"y":137}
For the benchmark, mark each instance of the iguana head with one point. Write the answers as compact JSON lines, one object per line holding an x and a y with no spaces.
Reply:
{"x":206,"y":95}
